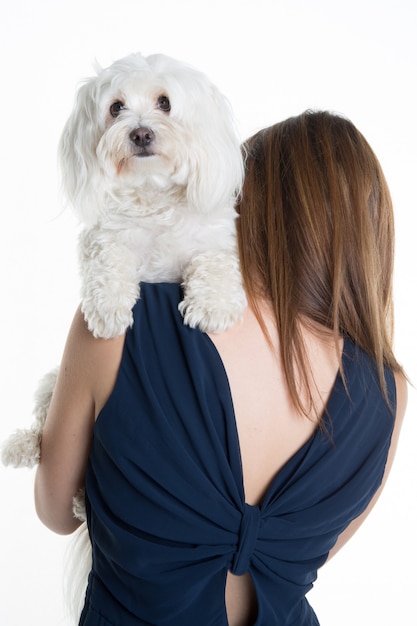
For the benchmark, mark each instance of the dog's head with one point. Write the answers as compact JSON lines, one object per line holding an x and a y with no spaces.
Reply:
{"x":150,"y":123}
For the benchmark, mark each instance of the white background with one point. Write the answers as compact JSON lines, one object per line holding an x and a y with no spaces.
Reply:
{"x":272,"y":59}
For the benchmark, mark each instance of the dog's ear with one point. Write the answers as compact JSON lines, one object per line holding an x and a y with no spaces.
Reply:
{"x":77,"y":154}
{"x":216,"y":163}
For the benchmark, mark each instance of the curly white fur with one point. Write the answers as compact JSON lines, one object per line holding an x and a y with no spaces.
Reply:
{"x":22,"y":448}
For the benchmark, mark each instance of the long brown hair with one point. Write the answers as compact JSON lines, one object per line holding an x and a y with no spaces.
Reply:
{"x":316,"y":238}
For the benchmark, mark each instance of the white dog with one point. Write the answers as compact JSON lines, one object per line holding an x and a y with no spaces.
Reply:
{"x":152,"y":165}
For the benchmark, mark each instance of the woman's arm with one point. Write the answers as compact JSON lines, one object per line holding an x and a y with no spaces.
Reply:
{"x":402,"y":395}
{"x":86,"y":378}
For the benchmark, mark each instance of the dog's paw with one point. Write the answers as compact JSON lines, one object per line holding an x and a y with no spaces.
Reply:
{"x":107,"y":323}
{"x":212,"y":317}
{"x":214,"y":298}
{"x":22,"y":448}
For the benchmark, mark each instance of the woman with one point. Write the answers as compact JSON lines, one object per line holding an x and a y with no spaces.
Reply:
{"x":222,"y":471}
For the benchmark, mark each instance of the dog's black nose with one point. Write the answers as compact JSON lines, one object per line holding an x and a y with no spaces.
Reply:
{"x":142,"y":137}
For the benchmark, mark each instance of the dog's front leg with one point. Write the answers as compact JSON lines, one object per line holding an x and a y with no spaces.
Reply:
{"x":214,"y":299}
{"x":109,"y":282}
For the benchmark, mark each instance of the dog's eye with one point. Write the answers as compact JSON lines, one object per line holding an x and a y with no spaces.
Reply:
{"x":116,"y":107}
{"x":164,"y":104}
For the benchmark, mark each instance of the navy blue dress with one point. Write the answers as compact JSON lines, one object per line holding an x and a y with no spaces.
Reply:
{"x":164,"y":489}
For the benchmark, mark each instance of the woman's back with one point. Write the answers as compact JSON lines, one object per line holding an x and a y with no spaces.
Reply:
{"x":269,"y":427}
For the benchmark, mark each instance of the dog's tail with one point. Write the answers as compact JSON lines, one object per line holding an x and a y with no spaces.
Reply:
{"x":77,"y":567}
